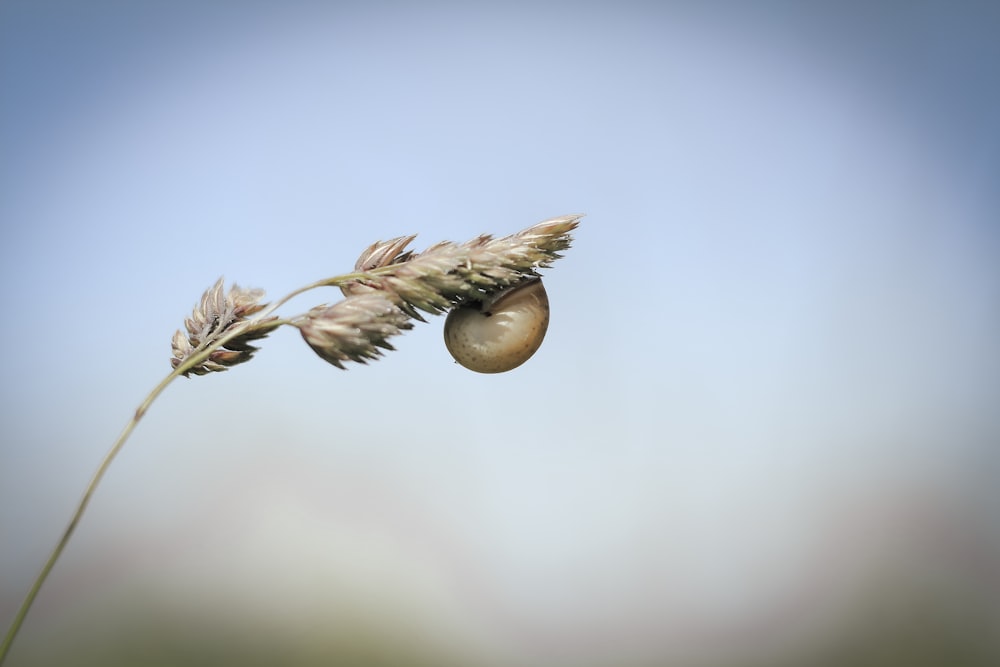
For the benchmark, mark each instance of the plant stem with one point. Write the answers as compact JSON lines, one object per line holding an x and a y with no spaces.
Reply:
{"x":192,"y":361}
{"x":88,"y":493}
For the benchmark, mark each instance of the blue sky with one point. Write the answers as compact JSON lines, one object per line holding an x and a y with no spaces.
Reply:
{"x":777,"y":326}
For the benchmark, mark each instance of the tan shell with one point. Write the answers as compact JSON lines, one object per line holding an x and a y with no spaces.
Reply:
{"x":502,"y":334}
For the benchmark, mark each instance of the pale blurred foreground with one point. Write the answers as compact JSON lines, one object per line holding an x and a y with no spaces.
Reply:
{"x":924,"y":595}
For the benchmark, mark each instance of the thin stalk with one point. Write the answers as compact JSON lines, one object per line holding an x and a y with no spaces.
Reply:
{"x":29,"y":599}
{"x":191,"y":362}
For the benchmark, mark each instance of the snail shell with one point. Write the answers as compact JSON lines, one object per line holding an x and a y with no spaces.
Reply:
{"x":502,"y":333}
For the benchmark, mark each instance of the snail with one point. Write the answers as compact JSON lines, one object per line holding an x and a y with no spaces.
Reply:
{"x":502,"y":332}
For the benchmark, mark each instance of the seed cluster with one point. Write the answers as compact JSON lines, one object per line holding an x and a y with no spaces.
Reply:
{"x":390,"y":287}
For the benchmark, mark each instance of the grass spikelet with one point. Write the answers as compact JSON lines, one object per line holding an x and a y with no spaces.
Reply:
{"x":217,"y":314}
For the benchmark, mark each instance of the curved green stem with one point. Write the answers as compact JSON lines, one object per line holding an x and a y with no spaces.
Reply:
{"x":195,"y":359}
{"x":29,"y":599}
{"x":22,"y":611}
